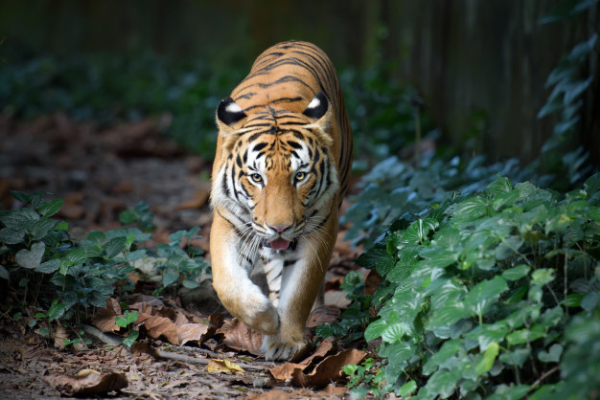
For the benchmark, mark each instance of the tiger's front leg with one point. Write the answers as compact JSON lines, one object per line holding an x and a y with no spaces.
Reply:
{"x":231,"y":280}
{"x":300,"y":286}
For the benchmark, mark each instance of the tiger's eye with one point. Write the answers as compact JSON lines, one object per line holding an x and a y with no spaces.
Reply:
{"x":256,"y":177}
{"x":300,"y":176}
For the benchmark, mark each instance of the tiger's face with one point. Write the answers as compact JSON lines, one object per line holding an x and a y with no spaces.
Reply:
{"x":279,"y":171}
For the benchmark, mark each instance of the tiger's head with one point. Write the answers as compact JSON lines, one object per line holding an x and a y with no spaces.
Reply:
{"x":277,"y":171}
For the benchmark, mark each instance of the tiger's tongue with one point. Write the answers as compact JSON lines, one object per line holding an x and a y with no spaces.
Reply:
{"x":279,"y":244}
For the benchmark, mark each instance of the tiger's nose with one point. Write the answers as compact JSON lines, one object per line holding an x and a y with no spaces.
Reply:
{"x":280,"y":228}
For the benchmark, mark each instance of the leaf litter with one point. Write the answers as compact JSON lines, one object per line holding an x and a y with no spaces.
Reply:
{"x":101,"y":171}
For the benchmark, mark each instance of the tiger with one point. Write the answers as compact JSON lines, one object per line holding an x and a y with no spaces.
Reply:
{"x":281,"y":169}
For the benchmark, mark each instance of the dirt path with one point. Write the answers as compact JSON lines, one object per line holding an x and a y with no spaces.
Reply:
{"x":101,"y":172}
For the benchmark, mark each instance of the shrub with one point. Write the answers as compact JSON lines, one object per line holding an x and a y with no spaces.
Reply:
{"x":491,"y":295}
{"x":65,"y":278}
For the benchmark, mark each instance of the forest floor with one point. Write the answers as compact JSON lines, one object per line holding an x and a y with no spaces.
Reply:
{"x":101,"y":171}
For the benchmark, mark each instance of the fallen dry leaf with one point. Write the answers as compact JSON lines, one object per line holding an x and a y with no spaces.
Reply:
{"x":60,"y":335}
{"x":239,"y":337}
{"x":87,"y":382}
{"x":274,"y":394}
{"x":105,"y":317}
{"x":199,"y":332}
{"x":285,"y":371}
{"x":326,"y":314}
{"x":327,"y":371}
{"x":332,"y":390}
{"x":224,"y":366}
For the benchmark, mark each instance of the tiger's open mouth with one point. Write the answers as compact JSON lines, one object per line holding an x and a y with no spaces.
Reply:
{"x":281,"y":244}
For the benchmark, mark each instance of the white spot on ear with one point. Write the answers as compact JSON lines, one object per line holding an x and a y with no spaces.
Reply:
{"x":314,"y":103}
{"x":233,"y":108}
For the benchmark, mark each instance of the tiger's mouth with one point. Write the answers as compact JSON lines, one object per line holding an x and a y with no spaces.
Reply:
{"x":281,"y":244}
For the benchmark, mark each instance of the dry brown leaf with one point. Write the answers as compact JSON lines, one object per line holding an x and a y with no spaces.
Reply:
{"x":274,"y":394}
{"x":285,"y":371}
{"x":199,"y":332}
{"x":159,"y":326}
{"x":240,"y":338}
{"x":224,"y":366}
{"x":60,"y":335}
{"x":332,"y":390}
{"x":372,"y":282}
{"x":326,"y":314}
{"x":337,"y":298}
{"x":105,"y":317}
{"x":327,"y":371}
{"x":87,"y":382}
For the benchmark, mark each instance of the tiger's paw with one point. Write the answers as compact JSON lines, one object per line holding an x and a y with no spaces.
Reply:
{"x":279,"y":347}
{"x":262,"y":317}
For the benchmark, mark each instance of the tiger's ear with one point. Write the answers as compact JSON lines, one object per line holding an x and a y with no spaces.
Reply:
{"x":318,"y":107}
{"x":229,"y":115}
{"x":320,"y":110}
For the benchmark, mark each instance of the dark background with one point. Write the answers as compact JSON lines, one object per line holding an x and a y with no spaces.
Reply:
{"x":480,"y":66}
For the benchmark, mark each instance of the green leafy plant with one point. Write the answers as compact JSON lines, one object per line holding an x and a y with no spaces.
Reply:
{"x":128,"y":318}
{"x":68,"y":278}
{"x":570,"y":80}
{"x":491,"y":295}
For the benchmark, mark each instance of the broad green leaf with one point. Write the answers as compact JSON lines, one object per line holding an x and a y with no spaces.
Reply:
{"x":485,"y":293}
{"x":443,"y":382}
{"x":169,"y":277}
{"x":128,"y":217}
{"x":55,"y":311}
{"x":448,"y":349}
{"x":542,"y":276}
{"x":499,"y":186}
{"x":516,"y":273}
{"x":114,"y":246}
{"x":131,"y":338}
{"x":40,"y":228}
{"x":448,"y":314}
{"x":590,"y":300}
{"x":471,"y":209}
{"x":20,"y":196}
{"x":76,"y":256}
{"x":190,"y":284}
{"x":573,"y":300}
{"x":395,"y":332}
{"x":31,"y":258}
{"x":408,"y":388}
{"x":51,"y":208}
{"x":551,"y":317}
{"x":49,"y":267}
{"x":349,"y":369}
{"x":128,"y":318}
{"x":526,"y":335}
{"x":516,"y":357}
{"x":505,"y":200}
{"x":62,"y":226}
{"x":136,"y":255}
{"x":486,"y":363}
{"x":96,"y":236}
{"x":508,"y":247}
{"x":11,"y":236}
{"x":552,"y":355}
{"x":20,"y":219}
{"x":487,"y":334}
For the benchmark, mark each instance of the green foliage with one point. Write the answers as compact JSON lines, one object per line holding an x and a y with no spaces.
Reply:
{"x":490,"y":295}
{"x":70,"y":276}
{"x":570,"y":80}
{"x":108,"y":88}
{"x":393,"y":192}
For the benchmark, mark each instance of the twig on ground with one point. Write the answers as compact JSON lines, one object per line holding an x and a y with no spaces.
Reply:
{"x":103,"y":337}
